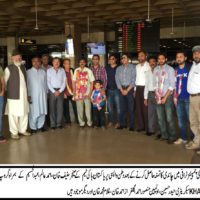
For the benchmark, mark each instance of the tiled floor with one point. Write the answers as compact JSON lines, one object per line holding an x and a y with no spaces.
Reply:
{"x":73,"y":145}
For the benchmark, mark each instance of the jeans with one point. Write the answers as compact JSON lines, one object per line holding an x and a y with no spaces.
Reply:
{"x":127,"y":102}
{"x":98,"y":117}
{"x":165,"y":113}
{"x":113,"y":98}
{"x":182,"y":111}
{"x":1,"y":114}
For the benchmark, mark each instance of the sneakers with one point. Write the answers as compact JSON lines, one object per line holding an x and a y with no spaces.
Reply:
{"x":25,"y":133}
{"x":192,"y":146}
{"x":15,"y":137}
{"x":180,"y":141}
{"x":2,"y":139}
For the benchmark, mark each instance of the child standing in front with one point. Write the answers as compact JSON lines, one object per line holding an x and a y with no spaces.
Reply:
{"x":98,"y":99}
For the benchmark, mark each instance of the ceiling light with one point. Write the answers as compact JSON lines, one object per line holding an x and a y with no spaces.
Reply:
{"x":172,"y":31}
{"x":36,"y":16}
{"x":148,"y":15}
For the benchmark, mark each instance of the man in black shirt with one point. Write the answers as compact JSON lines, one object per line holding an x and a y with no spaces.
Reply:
{"x":112,"y":92}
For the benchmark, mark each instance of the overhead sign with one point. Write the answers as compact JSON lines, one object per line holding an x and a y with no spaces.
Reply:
{"x":24,"y":41}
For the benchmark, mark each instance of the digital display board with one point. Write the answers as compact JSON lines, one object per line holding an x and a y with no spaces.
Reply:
{"x":135,"y":36}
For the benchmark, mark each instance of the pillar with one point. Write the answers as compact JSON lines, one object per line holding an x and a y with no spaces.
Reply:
{"x":11,"y":44}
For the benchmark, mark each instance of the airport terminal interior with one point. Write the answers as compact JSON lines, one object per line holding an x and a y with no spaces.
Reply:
{"x":82,"y":28}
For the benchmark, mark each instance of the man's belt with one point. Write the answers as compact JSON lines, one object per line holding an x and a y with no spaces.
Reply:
{"x":56,"y":89}
{"x":194,"y":95}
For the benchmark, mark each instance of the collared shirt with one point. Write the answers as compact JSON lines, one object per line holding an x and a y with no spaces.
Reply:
{"x":148,"y":83}
{"x":56,"y":79}
{"x":193,"y":85}
{"x":82,"y":78}
{"x":100,"y":74}
{"x":111,"y":83}
{"x":125,"y":76}
{"x":46,"y":68}
{"x":169,"y":80}
{"x":140,"y":73}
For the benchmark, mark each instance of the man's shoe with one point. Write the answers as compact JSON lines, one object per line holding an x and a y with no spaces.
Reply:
{"x":15,"y":137}
{"x":158,"y":137}
{"x":149,"y":133}
{"x":2,"y":140}
{"x":110,"y":124}
{"x":60,"y":127}
{"x":120,"y":127}
{"x":180,"y":141}
{"x":33,"y":131}
{"x":171,"y":141}
{"x":53,"y":128}
{"x":131,"y":129}
{"x":192,"y":146}
{"x":25,"y":133}
{"x":117,"y":125}
{"x":43,"y":129}
{"x":140,"y":130}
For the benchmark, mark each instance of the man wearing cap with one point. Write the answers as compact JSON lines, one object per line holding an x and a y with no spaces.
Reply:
{"x":193,"y":88}
{"x":17,"y":99}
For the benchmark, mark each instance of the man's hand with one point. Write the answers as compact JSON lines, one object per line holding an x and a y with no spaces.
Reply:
{"x":146,"y":102}
{"x":57,"y":93}
{"x":175,"y":101}
{"x":2,"y":93}
{"x":65,"y":96}
{"x":124,"y":92}
{"x":163,"y":100}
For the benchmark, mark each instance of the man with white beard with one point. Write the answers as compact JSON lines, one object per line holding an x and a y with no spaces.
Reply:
{"x":17,"y":99}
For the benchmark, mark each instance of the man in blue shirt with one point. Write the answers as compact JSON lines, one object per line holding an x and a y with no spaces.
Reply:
{"x":125,"y":79}
{"x":181,"y":97}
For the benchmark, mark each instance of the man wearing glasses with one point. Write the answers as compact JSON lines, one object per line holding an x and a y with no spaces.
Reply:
{"x":125,"y":79}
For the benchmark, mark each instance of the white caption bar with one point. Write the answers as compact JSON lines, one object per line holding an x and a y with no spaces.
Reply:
{"x":100,"y":182}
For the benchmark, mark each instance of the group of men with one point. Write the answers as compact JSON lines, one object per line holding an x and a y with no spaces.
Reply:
{"x":146,"y":93}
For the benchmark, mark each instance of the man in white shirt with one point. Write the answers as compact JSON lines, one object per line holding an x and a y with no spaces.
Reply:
{"x":193,"y":88}
{"x":149,"y":98}
{"x":141,"y":110}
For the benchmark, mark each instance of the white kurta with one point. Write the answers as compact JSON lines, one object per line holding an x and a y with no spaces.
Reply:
{"x":19,"y":107}
{"x":37,"y":90}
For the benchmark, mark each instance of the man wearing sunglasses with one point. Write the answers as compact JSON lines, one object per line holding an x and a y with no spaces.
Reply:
{"x":125,"y":79}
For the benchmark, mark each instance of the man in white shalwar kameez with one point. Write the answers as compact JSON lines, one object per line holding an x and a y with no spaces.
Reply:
{"x":17,"y":99}
{"x":37,"y":93}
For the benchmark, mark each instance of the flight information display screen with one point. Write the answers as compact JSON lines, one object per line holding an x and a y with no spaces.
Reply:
{"x":135,"y":36}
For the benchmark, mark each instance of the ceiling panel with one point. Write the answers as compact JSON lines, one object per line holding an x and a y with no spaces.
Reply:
{"x":18,"y":16}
